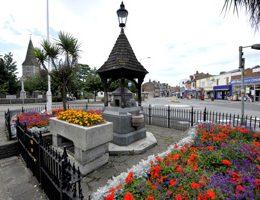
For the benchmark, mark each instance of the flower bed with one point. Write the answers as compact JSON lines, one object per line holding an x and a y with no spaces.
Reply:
{"x":80,"y":117}
{"x":222,"y":163}
{"x":34,"y":119}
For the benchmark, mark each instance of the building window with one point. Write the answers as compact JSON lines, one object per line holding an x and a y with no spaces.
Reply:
{"x":227,"y":81}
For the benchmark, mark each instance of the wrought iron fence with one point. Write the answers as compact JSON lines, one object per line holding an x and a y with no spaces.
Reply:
{"x":164,"y":116}
{"x":58,"y":178}
{"x":170,"y":117}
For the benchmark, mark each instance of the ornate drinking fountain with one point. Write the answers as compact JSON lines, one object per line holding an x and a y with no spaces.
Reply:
{"x":124,"y":111}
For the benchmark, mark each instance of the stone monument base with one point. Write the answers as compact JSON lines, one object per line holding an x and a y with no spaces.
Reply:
{"x":137,"y":147}
{"x":22,"y":95}
{"x":124,"y":132}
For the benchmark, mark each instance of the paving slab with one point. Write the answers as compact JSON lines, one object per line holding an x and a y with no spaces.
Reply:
{"x":17,"y":182}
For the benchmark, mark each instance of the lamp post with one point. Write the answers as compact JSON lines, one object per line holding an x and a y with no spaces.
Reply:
{"x":242,"y":69}
{"x":122,"y":14}
{"x":48,"y":94}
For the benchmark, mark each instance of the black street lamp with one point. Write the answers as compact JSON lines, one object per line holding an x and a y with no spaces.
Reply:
{"x":122,"y":14}
{"x":242,"y":69}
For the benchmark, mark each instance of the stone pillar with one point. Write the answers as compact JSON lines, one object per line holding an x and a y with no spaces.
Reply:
{"x":139,"y":89}
{"x":104,"y":81}
{"x":22,"y":92}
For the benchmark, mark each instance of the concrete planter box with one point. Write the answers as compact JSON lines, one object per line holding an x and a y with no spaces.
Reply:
{"x":90,"y":143}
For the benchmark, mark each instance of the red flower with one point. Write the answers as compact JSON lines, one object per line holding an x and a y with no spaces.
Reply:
{"x":226,"y":162}
{"x":155,"y":171}
{"x":239,"y":189}
{"x":211,"y":194}
{"x":130,"y":177}
{"x":119,"y":186}
{"x":257,"y":144}
{"x":172,"y":182}
{"x":210,"y":148}
{"x":194,"y":168}
{"x":128,"y":196}
{"x":110,"y":196}
{"x":150,"y":197}
{"x":176,"y":157}
{"x":194,"y":185}
{"x":178,"y":197}
{"x":179,"y":169}
{"x":153,"y":186}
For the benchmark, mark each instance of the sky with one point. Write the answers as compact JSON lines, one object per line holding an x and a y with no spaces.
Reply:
{"x":171,"y":38}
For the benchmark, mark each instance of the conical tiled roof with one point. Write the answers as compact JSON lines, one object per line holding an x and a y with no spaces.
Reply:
{"x":29,"y":59}
{"x":121,"y":58}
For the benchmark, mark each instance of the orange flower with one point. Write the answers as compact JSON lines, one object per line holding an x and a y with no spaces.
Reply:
{"x":128,"y":196}
{"x":226,"y":162}
{"x":130,"y":177}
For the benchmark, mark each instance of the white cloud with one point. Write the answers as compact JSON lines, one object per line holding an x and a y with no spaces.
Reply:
{"x":181,"y":37}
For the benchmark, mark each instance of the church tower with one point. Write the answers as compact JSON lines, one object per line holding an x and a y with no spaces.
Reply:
{"x":30,"y":66}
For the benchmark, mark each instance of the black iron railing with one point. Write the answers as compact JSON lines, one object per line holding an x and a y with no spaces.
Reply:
{"x":58,"y":178}
{"x":171,"y":117}
{"x":164,"y":116}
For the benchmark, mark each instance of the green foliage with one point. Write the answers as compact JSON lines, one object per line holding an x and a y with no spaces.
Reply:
{"x":38,"y":82}
{"x":93,"y":82}
{"x":252,"y":8}
{"x":8,"y":78}
{"x":63,"y":54}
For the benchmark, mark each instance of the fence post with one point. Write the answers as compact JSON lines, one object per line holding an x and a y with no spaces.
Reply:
{"x":204,"y":115}
{"x":169,"y":116}
{"x":40,"y":143}
{"x":191,"y":118}
{"x":22,"y":109}
{"x":149,"y":114}
{"x":86,"y":106}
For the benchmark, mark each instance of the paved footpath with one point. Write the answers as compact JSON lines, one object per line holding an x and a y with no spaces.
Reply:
{"x":16,"y":181}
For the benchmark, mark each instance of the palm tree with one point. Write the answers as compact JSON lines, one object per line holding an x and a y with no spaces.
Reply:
{"x":252,"y":8}
{"x":63,"y":55}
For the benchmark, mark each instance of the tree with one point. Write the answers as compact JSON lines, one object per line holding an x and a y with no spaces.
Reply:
{"x":252,"y":8}
{"x":38,"y":82}
{"x":93,"y":82}
{"x":8,"y":79}
{"x":63,"y":55}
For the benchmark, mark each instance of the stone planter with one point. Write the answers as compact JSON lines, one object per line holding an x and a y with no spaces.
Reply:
{"x":90,"y":143}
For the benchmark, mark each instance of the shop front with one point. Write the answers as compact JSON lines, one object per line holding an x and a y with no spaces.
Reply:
{"x":252,"y":88}
{"x":222,"y":92}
